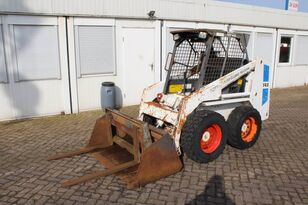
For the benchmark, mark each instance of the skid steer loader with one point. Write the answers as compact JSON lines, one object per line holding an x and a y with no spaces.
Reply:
{"x":212,"y":95}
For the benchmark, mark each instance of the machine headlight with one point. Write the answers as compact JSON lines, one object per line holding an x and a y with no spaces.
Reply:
{"x":202,"y":35}
{"x":176,"y":37}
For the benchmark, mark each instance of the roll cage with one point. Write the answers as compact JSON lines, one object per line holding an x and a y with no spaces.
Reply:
{"x":201,"y":56}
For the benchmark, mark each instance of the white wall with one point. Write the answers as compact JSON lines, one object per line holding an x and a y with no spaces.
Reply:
{"x":86,"y":87}
{"x":177,"y":10}
{"x":35,"y":62}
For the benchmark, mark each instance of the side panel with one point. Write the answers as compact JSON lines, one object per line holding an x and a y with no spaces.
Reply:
{"x":257,"y":89}
{"x":224,"y":109}
{"x":260,"y":93}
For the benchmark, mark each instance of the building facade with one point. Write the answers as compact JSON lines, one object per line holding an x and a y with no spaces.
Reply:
{"x":54,"y":54}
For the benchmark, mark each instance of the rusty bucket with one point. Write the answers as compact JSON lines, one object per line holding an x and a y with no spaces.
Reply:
{"x":133,"y":150}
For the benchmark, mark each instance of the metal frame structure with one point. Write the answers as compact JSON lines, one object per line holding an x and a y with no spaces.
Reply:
{"x":199,"y":61}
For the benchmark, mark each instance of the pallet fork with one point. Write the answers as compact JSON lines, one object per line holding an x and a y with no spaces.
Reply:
{"x":137,"y":152}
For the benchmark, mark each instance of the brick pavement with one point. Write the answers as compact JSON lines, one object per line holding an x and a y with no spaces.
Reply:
{"x":274,"y":171}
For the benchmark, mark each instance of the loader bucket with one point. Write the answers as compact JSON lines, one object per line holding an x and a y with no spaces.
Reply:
{"x":133,"y":150}
{"x":158,"y":161}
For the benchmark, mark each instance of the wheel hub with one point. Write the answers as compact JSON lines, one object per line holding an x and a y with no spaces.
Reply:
{"x":211,"y":139}
{"x":244,"y":127}
{"x":206,"y":136}
{"x":249,"y":129}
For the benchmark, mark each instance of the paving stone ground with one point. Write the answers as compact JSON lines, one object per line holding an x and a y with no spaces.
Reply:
{"x":274,"y":171}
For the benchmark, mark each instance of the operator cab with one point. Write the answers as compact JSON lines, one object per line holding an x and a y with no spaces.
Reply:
{"x":202,"y":56}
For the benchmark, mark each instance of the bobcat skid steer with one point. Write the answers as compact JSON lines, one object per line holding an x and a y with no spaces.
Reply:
{"x":212,"y":95}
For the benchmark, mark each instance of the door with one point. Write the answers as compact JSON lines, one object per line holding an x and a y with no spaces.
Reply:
{"x":139,"y":62}
{"x":264,"y":48}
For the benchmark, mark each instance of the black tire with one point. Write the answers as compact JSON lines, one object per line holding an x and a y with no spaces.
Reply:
{"x":236,"y":120}
{"x":193,"y":131}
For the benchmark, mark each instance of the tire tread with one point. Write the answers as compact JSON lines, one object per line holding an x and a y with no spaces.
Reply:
{"x":188,"y":134}
{"x":233,"y":122}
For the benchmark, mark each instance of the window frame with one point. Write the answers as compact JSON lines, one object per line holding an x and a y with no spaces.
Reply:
{"x":77,"y":50}
{"x":295,"y":49}
{"x":17,"y":78}
{"x":292,"y":36}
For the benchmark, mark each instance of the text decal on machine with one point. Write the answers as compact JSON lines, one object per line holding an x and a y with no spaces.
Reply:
{"x":265,"y":84}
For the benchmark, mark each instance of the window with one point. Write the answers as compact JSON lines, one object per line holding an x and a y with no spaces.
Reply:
{"x":3,"y":75}
{"x":285,"y":49}
{"x":301,"y":50}
{"x":95,"y":50}
{"x":37,"y":53}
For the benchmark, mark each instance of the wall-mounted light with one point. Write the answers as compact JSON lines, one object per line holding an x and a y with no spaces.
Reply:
{"x":151,"y":14}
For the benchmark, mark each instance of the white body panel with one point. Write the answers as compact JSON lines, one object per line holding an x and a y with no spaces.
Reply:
{"x":256,"y":94}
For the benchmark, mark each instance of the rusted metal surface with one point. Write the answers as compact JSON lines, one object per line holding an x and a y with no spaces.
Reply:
{"x":138,"y":155}
{"x":158,"y":161}
{"x":101,"y":132}
{"x":83,"y":150}
{"x":124,"y":144}
{"x":98,"y":174}
{"x":160,"y":112}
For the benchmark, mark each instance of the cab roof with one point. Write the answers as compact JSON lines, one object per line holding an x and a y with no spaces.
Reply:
{"x":211,"y":32}
{"x":190,"y":31}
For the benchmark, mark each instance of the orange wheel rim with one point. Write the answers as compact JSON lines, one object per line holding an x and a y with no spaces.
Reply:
{"x":211,"y":138}
{"x":249,"y":129}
